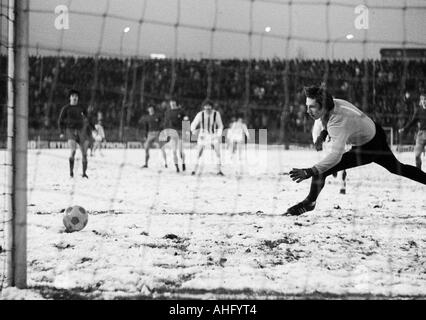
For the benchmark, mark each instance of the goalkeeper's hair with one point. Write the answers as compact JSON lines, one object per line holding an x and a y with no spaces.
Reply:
{"x":320,"y":95}
{"x":73,"y":91}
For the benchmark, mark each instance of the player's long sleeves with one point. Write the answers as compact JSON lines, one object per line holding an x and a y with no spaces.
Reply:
{"x":339,"y":136}
{"x":219,"y":124}
{"x":246,"y":132}
{"x":196,"y":122}
{"x":347,"y":125}
{"x":61,"y":118}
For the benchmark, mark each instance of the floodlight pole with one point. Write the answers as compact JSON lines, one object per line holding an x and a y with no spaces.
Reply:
{"x":17,"y":104}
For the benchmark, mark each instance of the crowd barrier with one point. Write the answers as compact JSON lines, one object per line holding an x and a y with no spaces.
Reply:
{"x":44,"y":144}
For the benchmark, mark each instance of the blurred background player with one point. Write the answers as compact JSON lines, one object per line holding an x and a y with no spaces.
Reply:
{"x":99,"y":137}
{"x":419,"y":117}
{"x":74,"y":123}
{"x":228,"y":134}
{"x":237,"y":135}
{"x":210,"y":134}
{"x":346,"y":124}
{"x":152,"y":126}
{"x":173,"y":118}
{"x":320,"y":137}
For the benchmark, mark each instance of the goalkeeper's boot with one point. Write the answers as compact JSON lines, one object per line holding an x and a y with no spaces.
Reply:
{"x":300,"y":208}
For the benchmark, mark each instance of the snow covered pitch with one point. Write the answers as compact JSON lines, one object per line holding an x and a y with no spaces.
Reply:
{"x":154,"y":233}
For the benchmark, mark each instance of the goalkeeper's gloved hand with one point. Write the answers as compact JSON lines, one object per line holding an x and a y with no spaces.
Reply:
{"x":299,"y":175}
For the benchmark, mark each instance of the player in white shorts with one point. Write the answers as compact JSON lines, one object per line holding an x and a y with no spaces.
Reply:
{"x":228,"y":134}
{"x":236,"y":135}
{"x":99,"y":136}
{"x":210,"y":135}
{"x":323,"y":142}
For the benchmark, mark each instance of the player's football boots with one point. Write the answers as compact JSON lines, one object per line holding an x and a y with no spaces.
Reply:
{"x":300,"y":208}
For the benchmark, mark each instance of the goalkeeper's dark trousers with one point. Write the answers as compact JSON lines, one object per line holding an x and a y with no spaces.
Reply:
{"x":376,"y":150}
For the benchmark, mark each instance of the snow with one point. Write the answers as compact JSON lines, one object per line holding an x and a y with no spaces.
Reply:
{"x":153,"y":233}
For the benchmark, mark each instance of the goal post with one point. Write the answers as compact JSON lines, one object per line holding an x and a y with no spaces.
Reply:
{"x":17,"y":140}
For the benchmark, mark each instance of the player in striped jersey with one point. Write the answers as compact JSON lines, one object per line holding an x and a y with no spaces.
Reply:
{"x":211,"y":128}
{"x":346,"y":124}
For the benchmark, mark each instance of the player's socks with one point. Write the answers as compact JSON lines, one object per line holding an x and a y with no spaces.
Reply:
{"x":71,"y":161}
{"x":183,"y":167}
{"x":165,"y":166}
{"x":85,"y":169}
{"x":177,"y":168}
{"x":343,"y":188}
{"x":300,"y":208}
{"x":419,"y":163}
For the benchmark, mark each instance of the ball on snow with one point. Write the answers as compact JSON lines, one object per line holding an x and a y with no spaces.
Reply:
{"x":75,"y":218}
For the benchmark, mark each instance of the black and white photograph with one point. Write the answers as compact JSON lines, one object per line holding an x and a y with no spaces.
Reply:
{"x":212,"y":150}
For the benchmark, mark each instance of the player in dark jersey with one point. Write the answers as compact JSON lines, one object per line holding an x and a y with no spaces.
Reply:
{"x":75,"y":125}
{"x":152,"y":124}
{"x":419,"y":117}
{"x":173,"y":118}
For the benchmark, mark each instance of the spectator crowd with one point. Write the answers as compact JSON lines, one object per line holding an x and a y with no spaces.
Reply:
{"x":268,"y":93}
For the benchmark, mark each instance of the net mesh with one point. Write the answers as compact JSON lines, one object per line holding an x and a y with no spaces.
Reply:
{"x":157,"y":233}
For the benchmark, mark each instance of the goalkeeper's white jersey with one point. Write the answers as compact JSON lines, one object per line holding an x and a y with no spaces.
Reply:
{"x":346,"y":125}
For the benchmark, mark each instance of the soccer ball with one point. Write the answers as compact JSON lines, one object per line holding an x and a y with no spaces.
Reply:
{"x":75,"y":218}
